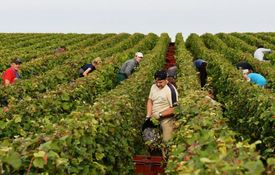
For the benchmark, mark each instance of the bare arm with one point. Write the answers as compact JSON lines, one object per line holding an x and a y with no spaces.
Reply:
{"x":168,"y":112}
{"x":149,"y":107}
{"x":7,"y":82}
{"x":266,"y":50}
{"x":85,"y":74}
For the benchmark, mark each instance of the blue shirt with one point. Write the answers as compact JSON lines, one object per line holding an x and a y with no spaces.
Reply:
{"x":257,"y":79}
{"x":87,"y":66}
{"x":198,"y":63}
{"x":84,"y":68}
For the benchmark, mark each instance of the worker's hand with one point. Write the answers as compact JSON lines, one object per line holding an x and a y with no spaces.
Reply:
{"x":155,"y":115}
{"x":6,"y":109}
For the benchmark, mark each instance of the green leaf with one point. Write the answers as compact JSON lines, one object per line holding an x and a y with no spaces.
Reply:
{"x":155,"y":121}
{"x":5,"y":149}
{"x":65,"y":97}
{"x":99,"y":156}
{"x":39,"y":154}
{"x":206,"y":160}
{"x":39,"y":162}
{"x":13,"y":159}
{"x":66,"y":106}
{"x":255,"y":168}
{"x":61,"y":161}
{"x":3,"y":124}
{"x":53,"y":154}
{"x":17,"y":118}
{"x":271,"y":161}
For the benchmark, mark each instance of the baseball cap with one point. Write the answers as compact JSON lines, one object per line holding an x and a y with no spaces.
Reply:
{"x":160,"y":75}
{"x":17,"y":61}
{"x":139,"y":54}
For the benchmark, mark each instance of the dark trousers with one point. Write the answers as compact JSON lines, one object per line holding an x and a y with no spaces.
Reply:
{"x":4,"y":101}
{"x":120,"y":77}
{"x":80,"y":72}
{"x":203,"y":78}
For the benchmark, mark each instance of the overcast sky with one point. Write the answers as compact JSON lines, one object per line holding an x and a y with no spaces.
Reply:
{"x":104,"y":16}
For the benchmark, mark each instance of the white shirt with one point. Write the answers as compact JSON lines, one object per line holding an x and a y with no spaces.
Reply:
{"x":162,"y":98}
{"x":259,"y":53}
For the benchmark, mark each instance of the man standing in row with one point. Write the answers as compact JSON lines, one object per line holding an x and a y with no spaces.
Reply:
{"x":162,"y":99}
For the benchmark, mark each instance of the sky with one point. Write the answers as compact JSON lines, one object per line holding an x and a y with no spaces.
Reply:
{"x":144,"y":16}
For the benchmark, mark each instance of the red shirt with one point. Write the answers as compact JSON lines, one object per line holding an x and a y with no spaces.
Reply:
{"x":9,"y":74}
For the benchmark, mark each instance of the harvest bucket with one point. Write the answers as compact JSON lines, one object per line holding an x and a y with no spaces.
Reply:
{"x":149,"y":165}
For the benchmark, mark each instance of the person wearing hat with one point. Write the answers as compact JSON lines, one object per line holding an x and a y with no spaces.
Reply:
{"x":162,"y":99}
{"x":128,"y":67}
{"x":255,"y":78}
{"x":201,"y":68}
{"x":12,"y":74}
{"x":88,"y":68}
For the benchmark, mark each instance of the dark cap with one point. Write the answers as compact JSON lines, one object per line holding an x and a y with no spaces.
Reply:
{"x":17,"y":61}
{"x":160,"y":75}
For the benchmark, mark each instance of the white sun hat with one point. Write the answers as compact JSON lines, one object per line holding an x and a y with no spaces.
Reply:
{"x":139,"y":54}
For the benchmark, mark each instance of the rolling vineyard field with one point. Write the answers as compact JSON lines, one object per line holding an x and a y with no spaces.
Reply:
{"x":58,"y":123}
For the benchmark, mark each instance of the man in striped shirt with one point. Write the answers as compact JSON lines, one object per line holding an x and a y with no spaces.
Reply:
{"x":162,"y":99}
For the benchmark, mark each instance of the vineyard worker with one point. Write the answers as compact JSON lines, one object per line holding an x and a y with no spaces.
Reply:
{"x":128,"y":67}
{"x":172,"y":71}
{"x":61,"y":49}
{"x":9,"y":77}
{"x":172,"y":74}
{"x":88,"y":68}
{"x":201,"y":68}
{"x":259,"y":53}
{"x":256,"y":78}
{"x":12,"y":74}
{"x":244,"y":65}
{"x":162,"y":99}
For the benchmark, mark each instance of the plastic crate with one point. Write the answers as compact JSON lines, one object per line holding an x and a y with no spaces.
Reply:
{"x":148,"y":165}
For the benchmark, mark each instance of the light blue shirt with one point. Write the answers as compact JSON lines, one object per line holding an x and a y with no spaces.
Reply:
{"x":257,"y":79}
